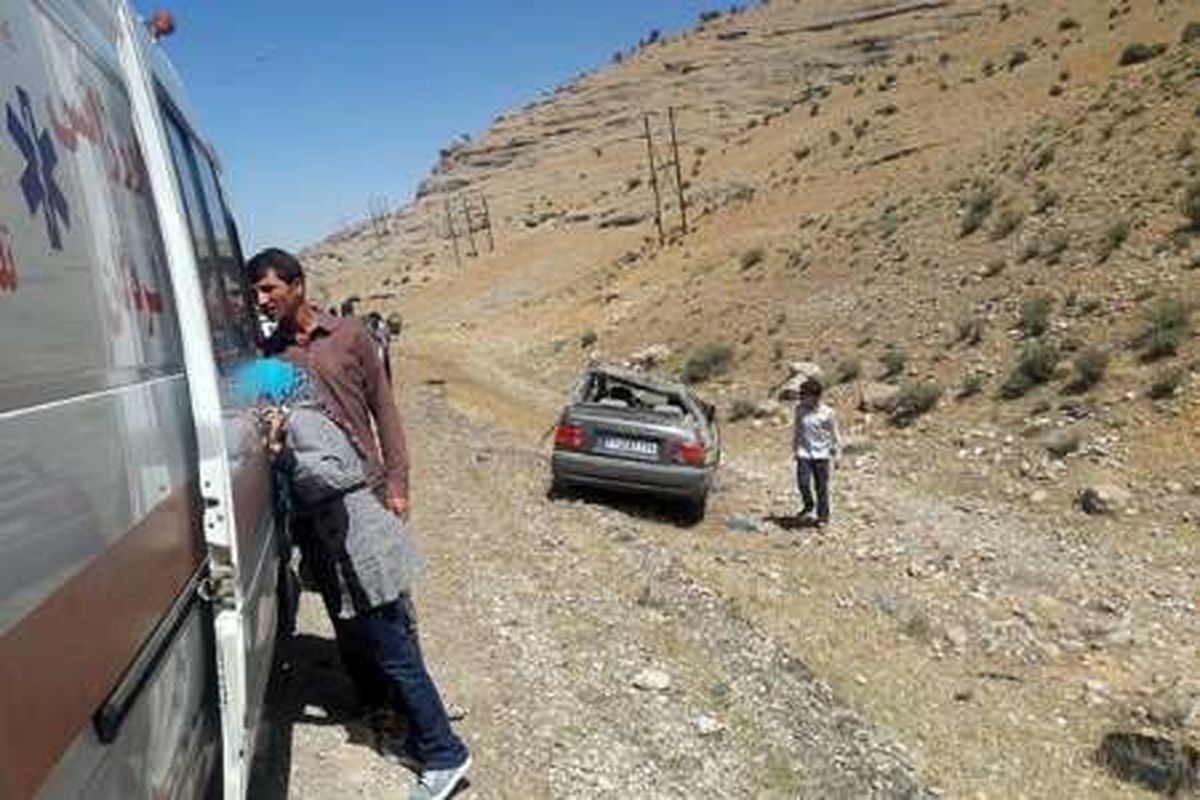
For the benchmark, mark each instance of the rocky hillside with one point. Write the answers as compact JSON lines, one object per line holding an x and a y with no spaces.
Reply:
{"x":979,"y":220}
{"x":962,"y":189}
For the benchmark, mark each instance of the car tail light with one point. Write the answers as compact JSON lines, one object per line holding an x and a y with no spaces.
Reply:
{"x":570,"y":437}
{"x":693,"y":453}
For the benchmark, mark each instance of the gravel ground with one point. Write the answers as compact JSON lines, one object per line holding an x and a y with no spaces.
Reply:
{"x":591,"y":663}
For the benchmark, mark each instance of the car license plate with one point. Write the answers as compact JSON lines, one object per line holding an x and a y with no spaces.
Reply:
{"x":639,"y":447}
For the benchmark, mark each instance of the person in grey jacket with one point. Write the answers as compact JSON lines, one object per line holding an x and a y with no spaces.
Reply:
{"x":815,"y":444}
{"x":362,"y":555}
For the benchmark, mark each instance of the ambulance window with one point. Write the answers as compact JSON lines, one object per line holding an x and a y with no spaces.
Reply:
{"x":226,"y":252}
{"x":227,"y":337}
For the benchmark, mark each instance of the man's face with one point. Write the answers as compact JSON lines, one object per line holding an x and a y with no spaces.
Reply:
{"x":278,"y":299}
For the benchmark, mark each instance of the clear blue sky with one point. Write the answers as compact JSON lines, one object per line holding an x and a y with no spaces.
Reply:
{"x":316,"y":107}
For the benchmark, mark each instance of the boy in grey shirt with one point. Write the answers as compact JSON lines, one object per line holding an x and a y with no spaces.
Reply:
{"x":815,"y":444}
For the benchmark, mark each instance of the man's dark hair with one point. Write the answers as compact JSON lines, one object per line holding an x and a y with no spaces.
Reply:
{"x":282,"y":263}
{"x":811,"y":387}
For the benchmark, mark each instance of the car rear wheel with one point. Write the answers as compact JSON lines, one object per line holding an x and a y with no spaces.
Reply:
{"x":694,"y":508}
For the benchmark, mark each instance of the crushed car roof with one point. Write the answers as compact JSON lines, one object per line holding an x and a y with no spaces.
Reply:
{"x":641,"y":379}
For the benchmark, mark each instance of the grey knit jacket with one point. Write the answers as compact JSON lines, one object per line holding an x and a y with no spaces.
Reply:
{"x":360,"y":553}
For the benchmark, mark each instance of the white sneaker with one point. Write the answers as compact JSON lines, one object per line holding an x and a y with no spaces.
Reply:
{"x":438,"y":784}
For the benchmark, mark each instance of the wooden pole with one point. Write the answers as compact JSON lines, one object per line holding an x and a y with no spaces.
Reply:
{"x":466,"y":209}
{"x":678,"y":169}
{"x":450,"y":231}
{"x":487,"y":222}
{"x":654,"y":180}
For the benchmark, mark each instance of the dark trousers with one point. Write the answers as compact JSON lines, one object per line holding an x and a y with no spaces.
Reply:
{"x":355,"y":653}
{"x":358,"y":659}
{"x":811,"y":471}
{"x":389,"y":633}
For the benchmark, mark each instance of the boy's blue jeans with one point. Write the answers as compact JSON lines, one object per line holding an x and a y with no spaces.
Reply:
{"x":389,"y":632}
{"x":810,"y":471}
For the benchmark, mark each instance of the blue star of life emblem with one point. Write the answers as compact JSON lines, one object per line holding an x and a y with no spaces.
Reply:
{"x":38,"y":183}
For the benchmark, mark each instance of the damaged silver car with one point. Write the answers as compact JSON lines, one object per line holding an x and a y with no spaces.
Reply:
{"x":630,"y":432}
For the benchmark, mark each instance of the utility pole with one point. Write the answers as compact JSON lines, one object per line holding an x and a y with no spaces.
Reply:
{"x":654,"y":180}
{"x":451,"y":233}
{"x":377,"y":210}
{"x":487,"y":222}
{"x":678,"y":169}
{"x":466,"y":209}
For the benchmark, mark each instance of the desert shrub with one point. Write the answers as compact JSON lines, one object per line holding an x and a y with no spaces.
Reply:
{"x":977,"y":206}
{"x":1166,"y":383}
{"x":1189,"y":205}
{"x":588,"y":338}
{"x":972,"y":385}
{"x":1090,"y":366}
{"x":893,"y":359}
{"x":741,"y":409}
{"x":1068,"y":24}
{"x":1035,"y":316}
{"x":1016,"y":58}
{"x":1043,"y":158}
{"x":847,"y":370}
{"x":1144,"y":293}
{"x":709,"y":16}
{"x":913,"y":400}
{"x":1053,"y":245}
{"x":1165,"y":326}
{"x":1185,"y":146}
{"x":1191,"y":33}
{"x":970,"y":329}
{"x":1008,"y":221}
{"x":1114,"y":236}
{"x":1036,"y":366}
{"x":889,"y":223}
{"x":707,"y":361}
{"x":1140,"y":52}
{"x":1044,"y":199}
{"x":752,"y":257}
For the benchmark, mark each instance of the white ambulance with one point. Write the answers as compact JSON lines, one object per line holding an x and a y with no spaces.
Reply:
{"x":138,"y":539}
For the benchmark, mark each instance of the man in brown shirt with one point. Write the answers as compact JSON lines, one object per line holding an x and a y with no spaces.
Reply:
{"x":341,"y":355}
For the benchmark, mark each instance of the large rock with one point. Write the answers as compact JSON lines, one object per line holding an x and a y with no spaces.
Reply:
{"x":650,"y":357}
{"x":1177,"y":706}
{"x":652,"y":680}
{"x":877,"y":397}
{"x":1104,"y":498}
{"x":1062,"y":443}
{"x":798,"y":373}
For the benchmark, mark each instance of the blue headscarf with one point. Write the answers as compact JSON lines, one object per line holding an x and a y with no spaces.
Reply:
{"x":272,"y":381}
